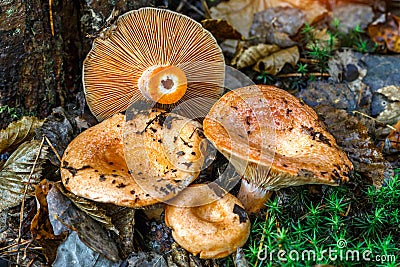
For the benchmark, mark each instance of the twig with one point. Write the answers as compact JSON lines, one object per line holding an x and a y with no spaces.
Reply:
{"x":369,"y":117}
{"x":21,"y":215}
{"x":206,"y":9}
{"x":51,"y":17}
{"x":262,"y":237}
{"x":194,"y":8}
{"x":320,"y":74}
{"x":52,"y":147}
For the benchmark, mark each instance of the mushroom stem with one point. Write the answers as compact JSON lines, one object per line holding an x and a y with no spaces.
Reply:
{"x":252,"y":198}
{"x":163,"y":84}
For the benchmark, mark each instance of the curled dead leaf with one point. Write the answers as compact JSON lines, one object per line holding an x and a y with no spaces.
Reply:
{"x":251,"y":55}
{"x":41,"y":228}
{"x":387,"y":33}
{"x":353,"y":137}
{"x":392,"y":142}
{"x":274,"y":63}
{"x":240,"y":12}
{"x":18,"y":132}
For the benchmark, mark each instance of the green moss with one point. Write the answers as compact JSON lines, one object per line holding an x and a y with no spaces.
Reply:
{"x":345,"y":226}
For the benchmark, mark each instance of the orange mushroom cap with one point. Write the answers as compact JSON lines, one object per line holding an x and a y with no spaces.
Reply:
{"x":93,"y":165}
{"x":214,"y":230}
{"x":156,"y":55}
{"x":296,"y":149}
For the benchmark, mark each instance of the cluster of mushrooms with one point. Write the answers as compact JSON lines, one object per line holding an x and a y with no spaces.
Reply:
{"x":156,"y":83}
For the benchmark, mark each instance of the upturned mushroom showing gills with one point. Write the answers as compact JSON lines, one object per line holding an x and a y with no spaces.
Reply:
{"x":156,"y":55}
{"x":214,"y":230}
{"x":298,"y":151}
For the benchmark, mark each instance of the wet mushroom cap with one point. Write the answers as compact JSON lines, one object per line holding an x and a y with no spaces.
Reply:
{"x":93,"y":166}
{"x":156,"y":55}
{"x":213,"y":230}
{"x":301,"y":150}
{"x":165,"y":151}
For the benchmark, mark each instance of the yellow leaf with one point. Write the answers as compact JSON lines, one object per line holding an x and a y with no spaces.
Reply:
{"x":274,"y":63}
{"x":251,"y":55}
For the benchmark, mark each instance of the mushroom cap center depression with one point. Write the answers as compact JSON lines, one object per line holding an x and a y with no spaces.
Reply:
{"x":163,"y":84}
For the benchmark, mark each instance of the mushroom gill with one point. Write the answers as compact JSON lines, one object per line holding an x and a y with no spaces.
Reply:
{"x":155,"y":55}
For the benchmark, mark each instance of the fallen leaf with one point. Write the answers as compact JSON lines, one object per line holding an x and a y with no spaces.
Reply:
{"x":65,"y":216}
{"x":276,"y":25}
{"x":386,"y":33}
{"x":89,"y":207}
{"x":352,"y":15}
{"x":323,"y":40}
{"x":392,"y":142}
{"x":352,"y":136}
{"x":251,"y":55}
{"x":391,"y":112}
{"x":73,"y":252}
{"x":18,"y":132}
{"x":15,"y":173}
{"x":274,"y":63}
{"x":240,"y":12}
{"x":41,"y":228}
{"x":221,"y":29}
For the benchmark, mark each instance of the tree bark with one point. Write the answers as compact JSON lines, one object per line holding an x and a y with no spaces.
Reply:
{"x":42,"y":46}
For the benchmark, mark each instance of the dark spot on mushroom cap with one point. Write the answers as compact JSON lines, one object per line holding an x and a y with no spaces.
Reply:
{"x":132,"y":192}
{"x":180,"y":153}
{"x":241,"y":213}
{"x":111,"y":163}
{"x":121,"y":185}
{"x":102,"y":178}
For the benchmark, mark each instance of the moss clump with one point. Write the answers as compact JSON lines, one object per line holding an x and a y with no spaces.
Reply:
{"x":345,"y":226}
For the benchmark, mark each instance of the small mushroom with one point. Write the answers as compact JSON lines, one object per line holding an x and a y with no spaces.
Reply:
{"x":93,"y":166}
{"x":274,"y":140}
{"x":156,"y":55}
{"x":214,"y":230}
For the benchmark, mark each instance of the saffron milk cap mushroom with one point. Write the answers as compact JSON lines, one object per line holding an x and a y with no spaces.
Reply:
{"x":164,"y":151}
{"x":214,"y":230}
{"x":93,"y":166}
{"x":300,"y":150}
{"x":156,"y":55}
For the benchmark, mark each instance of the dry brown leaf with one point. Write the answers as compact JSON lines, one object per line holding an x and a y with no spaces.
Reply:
{"x":391,"y":113}
{"x":18,"y":132}
{"x":221,"y":29}
{"x":353,"y":137}
{"x":276,"y":25}
{"x":15,"y":173}
{"x":251,"y":55}
{"x":89,"y":207}
{"x":323,"y":40}
{"x":393,"y":139}
{"x":41,"y":228}
{"x":387,"y":33}
{"x":240,"y":12}
{"x":274,"y":63}
{"x":65,"y":216}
